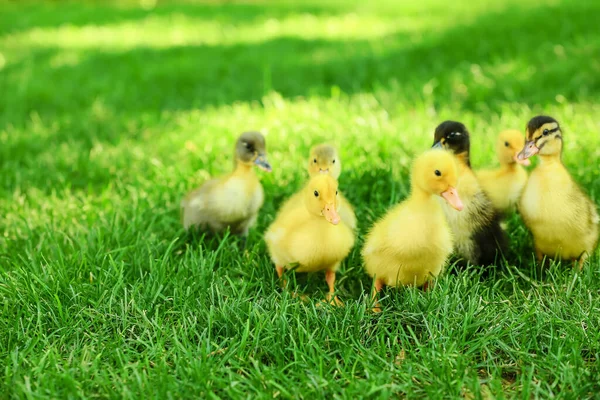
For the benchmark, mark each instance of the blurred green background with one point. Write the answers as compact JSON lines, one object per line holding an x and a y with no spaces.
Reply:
{"x":111,"y":111}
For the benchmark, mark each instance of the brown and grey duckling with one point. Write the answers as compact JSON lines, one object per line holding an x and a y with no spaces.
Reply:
{"x":234,"y":200}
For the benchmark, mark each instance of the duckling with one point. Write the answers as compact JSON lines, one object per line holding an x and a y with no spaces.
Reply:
{"x":505,"y":184}
{"x":411,"y":243}
{"x":311,"y":236}
{"x":478,"y":237}
{"x":324,"y":159}
{"x":561,"y":217}
{"x":232,"y":201}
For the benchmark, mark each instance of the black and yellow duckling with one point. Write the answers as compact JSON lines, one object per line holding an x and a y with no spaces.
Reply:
{"x":478,"y":237}
{"x":504,"y":185}
{"x":232,"y":201}
{"x":561,"y":217}
{"x":410,"y":244}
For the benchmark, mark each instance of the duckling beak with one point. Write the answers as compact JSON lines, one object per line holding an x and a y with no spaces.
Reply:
{"x":451,"y":196}
{"x":331,"y":214}
{"x":324,"y":171}
{"x":261,"y":162}
{"x":529,"y":150}
{"x":437,"y":145}
{"x":524,"y":162}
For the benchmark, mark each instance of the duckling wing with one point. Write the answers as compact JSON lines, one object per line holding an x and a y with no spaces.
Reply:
{"x":489,"y":237}
{"x":585,"y":216}
{"x":195,"y":204}
{"x":347,"y":213}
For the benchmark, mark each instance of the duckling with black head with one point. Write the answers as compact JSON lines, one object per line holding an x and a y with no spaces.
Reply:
{"x":478,"y":237}
{"x":562,"y":218}
{"x":234,"y":200}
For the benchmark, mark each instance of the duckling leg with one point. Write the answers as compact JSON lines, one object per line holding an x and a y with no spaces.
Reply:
{"x":538,"y":255}
{"x":581,"y":261}
{"x":331,"y":297}
{"x":377,"y":286}
{"x":279,"y":270}
{"x":428,"y":285}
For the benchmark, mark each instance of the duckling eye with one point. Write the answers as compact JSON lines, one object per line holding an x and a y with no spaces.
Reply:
{"x":333,"y":161}
{"x":506,"y":144}
{"x":336,"y":192}
{"x":452,"y":134}
{"x":316,"y":194}
{"x":545,"y":132}
{"x":315,"y":160}
{"x":437,"y":172}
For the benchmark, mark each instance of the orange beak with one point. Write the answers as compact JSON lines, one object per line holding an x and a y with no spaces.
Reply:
{"x":529,"y":150}
{"x":524,"y":162}
{"x":451,"y":196}
{"x":331,"y":214}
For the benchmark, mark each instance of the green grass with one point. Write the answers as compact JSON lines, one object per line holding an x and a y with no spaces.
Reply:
{"x":109,"y":112}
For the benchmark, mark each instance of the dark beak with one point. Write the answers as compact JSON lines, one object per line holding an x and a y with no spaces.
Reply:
{"x":261,"y":162}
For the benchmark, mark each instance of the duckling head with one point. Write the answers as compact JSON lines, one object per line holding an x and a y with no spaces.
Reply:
{"x":321,"y":197}
{"x":453,"y":136}
{"x":251,"y":149}
{"x":544,"y":137}
{"x":508,"y":146}
{"x":324,"y":159}
{"x":435,"y":172}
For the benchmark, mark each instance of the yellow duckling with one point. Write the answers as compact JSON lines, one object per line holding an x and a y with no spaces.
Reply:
{"x":562,"y":219}
{"x":232,"y":201}
{"x":411,"y":243}
{"x":310,"y":236}
{"x":324,"y":159}
{"x":505,"y":184}
{"x":478,"y":237}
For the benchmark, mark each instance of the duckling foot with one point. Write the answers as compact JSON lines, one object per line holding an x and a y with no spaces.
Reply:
{"x":302,"y":297}
{"x":331,"y":297}
{"x":333,"y":300}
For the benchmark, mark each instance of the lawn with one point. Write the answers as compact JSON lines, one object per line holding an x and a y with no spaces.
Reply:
{"x":110,"y":112}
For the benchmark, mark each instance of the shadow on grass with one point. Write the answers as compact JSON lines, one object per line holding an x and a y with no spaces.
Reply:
{"x":20,"y":17}
{"x":500,"y":58}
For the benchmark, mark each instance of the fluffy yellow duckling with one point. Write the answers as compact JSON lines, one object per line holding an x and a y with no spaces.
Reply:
{"x":232,"y":201}
{"x":505,"y":184}
{"x":478,"y":237}
{"x":324,"y":159}
{"x":563,"y":220}
{"x":310,"y":236}
{"x":411,"y":243}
